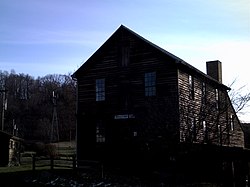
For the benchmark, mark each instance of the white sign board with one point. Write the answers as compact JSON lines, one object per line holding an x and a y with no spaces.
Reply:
{"x":124,"y":116}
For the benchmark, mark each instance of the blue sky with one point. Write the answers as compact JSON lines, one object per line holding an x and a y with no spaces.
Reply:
{"x":40,"y":37}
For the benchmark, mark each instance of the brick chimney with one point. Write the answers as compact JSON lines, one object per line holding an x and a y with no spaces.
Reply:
{"x":214,"y":70}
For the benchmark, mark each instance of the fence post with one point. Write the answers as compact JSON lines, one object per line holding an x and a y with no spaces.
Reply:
{"x":51,"y":163}
{"x":102,"y":171}
{"x":33,"y":162}
{"x":74,"y":162}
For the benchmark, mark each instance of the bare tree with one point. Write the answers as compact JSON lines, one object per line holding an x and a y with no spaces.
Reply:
{"x":240,"y":98}
{"x":209,"y":116}
{"x":30,"y":104}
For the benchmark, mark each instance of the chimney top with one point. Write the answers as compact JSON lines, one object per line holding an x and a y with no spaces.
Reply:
{"x":214,"y":70}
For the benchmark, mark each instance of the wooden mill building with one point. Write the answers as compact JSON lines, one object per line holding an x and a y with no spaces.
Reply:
{"x":137,"y":101}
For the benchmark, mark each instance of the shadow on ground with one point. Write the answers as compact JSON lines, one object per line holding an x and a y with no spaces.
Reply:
{"x":68,"y":178}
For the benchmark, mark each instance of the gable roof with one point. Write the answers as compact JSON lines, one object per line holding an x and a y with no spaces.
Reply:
{"x":9,"y":136}
{"x":178,"y":61}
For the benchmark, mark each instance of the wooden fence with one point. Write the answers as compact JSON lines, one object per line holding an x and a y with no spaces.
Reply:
{"x":70,"y":162}
{"x":52,"y":162}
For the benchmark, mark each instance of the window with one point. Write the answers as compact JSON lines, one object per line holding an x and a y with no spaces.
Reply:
{"x":100,"y":132}
{"x":135,"y":133}
{"x":217,"y":98}
{"x":205,"y":130}
{"x":191,"y":86}
{"x":150,"y":84}
{"x":219,"y":133}
{"x":203,"y":93}
{"x":193,"y":128}
{"x":124,"y":52}
{"x":204,"y":126}
{"x":125,"y":56}
{"x":100,"y":89}
{"x":232,"y":122}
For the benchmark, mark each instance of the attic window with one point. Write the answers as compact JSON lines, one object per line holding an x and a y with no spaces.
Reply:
{"x":124,"y":53}
{"x":150,"y":84}
{"x":125,"y":56}
{"x":100,"y":89}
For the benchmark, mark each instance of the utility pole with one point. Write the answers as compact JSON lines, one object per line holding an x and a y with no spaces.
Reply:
{"x":4,"y":105}
{"x":54,"y":134}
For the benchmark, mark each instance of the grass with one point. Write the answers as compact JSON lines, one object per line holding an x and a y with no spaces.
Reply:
{"x":16,"y":175}
{"x":15,"y":169}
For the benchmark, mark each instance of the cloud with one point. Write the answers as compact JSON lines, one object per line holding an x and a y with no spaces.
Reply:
{"x":43,"y":36}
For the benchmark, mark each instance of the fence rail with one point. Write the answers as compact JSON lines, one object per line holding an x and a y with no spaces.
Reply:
{"x":65,"y":161}
{"x":53,"y":162}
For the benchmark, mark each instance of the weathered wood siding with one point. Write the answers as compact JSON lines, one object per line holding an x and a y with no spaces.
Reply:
{"x":169,"y":117}
{"x":155,"y":117}
{"x":205,"y":118}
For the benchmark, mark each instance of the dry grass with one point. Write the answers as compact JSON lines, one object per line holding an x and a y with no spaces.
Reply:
{"x":63,"y":148}
{"x":16,"y":175}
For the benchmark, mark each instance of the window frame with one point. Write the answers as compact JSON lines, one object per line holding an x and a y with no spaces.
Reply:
{"x":203,"y":93}
{"x":193,"y":129}
{"x":125,"y":55}
{"x":191,"y":86}
{"x":100,"y":132}
{"x":150,"y":84}
{"x":232,"y":124}
{"x":100,"y":89}
{"x":205,"y":130}
{"x":216,"y":92}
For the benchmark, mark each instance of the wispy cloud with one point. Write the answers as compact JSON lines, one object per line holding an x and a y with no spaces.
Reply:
{"x":42,"y":36}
